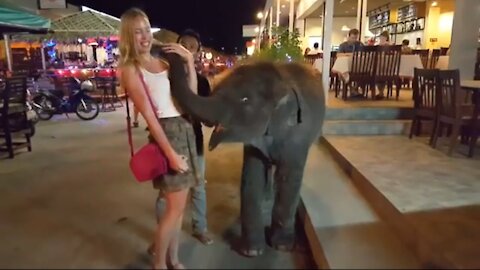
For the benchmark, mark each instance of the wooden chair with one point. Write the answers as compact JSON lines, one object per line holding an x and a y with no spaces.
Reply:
{"x":444,"y":50}
{"x":423,"y":56}
{"x":362,"y":71}
{"x":334,"y":78}
{"x":425,"y":87}
{"x":453,"y":110}
{"x":434,"y":58}
{"x":388,"y":68}
{"x":477,"y":71}
{"x":13,"y":116}
{"x":310,"y":59}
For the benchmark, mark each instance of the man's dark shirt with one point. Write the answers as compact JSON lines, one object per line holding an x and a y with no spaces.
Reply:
{"x":347,"y":47}
{"x":204,"y":91}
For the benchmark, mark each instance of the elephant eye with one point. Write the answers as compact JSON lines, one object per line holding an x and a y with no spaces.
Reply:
{"x":245,"y":99}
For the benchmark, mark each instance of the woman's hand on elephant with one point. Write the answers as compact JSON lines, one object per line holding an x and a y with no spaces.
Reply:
{"x":177,"y":48}
{"x":177,"y":162}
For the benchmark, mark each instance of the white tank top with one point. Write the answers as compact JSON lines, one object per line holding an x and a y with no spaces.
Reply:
{"x":159,"y":89}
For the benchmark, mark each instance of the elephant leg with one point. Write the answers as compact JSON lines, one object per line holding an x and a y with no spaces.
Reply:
{"x":254,"y":182}
{"x":288,"y":180}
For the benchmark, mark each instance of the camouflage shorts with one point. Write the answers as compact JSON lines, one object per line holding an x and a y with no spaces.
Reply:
{"x":182,"y":138}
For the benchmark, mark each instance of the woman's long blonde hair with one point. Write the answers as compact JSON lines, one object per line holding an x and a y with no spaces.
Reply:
{"x":128,"y":52}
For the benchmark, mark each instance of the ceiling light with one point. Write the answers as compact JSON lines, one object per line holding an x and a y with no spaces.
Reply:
{"x":434,"y":4}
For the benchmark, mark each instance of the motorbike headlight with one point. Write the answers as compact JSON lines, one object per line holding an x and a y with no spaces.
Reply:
{"x":87,"y":85}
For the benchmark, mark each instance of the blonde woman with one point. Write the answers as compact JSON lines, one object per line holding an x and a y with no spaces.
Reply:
{"x":167,"y":127}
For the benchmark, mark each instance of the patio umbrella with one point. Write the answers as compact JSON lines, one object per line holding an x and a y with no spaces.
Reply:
{"x":16,"y":21}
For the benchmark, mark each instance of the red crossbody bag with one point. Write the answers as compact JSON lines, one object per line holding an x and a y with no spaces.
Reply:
{"x":149,"y":161}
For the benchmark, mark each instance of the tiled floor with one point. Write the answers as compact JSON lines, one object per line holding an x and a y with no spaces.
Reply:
{"x":342,"y":227}
{"x":412,"y":175}
{"x":437,"y":194}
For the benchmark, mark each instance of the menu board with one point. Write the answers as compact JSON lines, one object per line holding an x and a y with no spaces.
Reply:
{"x":407,"y":13}
{"x":410,"y":12}
{"x":379,"y":19}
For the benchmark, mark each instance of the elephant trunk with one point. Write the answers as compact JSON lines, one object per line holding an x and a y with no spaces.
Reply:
{"x":205,"y":109}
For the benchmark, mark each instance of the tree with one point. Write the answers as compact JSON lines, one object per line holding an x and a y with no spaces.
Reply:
{"x":285,"y":47}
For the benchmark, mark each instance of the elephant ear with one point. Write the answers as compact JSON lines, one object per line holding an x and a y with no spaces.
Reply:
{"x":288,"y":101}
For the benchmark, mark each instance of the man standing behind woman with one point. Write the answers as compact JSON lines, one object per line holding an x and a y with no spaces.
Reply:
{"x":167,"y":125}
{"x":191,"y":41}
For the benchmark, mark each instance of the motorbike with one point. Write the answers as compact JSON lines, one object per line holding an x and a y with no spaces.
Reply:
{"x":50,"y":102}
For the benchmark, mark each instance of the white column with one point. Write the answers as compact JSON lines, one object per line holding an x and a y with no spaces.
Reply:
{"x":278,"y":13}
{"x":42,"y":51}
{"x":8,"y":51}
{"x":327,"y":42}
{"x":364,"y":29}
{"x":291,"y":18}
{"x":270,"y":22}
{"x":359,"y":14}
{"x":465,"y":31}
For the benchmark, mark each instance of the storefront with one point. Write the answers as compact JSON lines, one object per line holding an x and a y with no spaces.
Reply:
{"x":427,"y":24}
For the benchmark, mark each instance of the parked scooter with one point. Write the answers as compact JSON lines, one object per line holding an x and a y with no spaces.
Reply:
{"x":49,"y":102}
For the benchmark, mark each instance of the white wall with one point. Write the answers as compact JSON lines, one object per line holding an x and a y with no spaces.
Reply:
{"x":339,"y":36}
{"x":313,"y":32}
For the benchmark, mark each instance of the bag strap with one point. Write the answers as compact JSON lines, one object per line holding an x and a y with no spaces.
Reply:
{"x":154,"y":108}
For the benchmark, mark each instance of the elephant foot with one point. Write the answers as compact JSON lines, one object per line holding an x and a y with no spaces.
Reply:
{"x":248,"y":249}
{"x":281,"y":240}
{"x":251,"y":252}
{"x":284,"y":248}
{"x":293,"y":247}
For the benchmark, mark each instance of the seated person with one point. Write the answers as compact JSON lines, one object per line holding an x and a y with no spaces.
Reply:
{"x":384,"y":39}
{"x":405,"y":48}
{"x":352,"y":44}
{"x":315,"y":50}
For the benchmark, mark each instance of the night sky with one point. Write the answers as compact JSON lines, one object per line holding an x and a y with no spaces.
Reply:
{"x":219,"y":22}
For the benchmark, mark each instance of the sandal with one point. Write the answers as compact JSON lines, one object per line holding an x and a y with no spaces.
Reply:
{"x":178,"y":266}
{"x":203,"y":238}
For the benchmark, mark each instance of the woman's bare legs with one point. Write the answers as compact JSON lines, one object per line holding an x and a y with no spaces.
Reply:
{"x":135,"y":116}
{"x":168,"y":229}
{"x":173,"y":248}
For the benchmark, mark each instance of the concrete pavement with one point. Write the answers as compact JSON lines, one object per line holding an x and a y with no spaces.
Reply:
{"x":72,"y":203}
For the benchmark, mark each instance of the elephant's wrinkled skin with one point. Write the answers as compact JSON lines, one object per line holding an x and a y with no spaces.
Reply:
{"x":277,"y":111}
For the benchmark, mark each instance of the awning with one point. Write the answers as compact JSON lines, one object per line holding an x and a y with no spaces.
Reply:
{"x":14,"y":21}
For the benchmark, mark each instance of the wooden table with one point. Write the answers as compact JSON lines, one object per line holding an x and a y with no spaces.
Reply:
{"x":474,"y":86}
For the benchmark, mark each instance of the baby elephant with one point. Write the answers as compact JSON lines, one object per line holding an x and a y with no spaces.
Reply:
{"x":277,"y":111}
